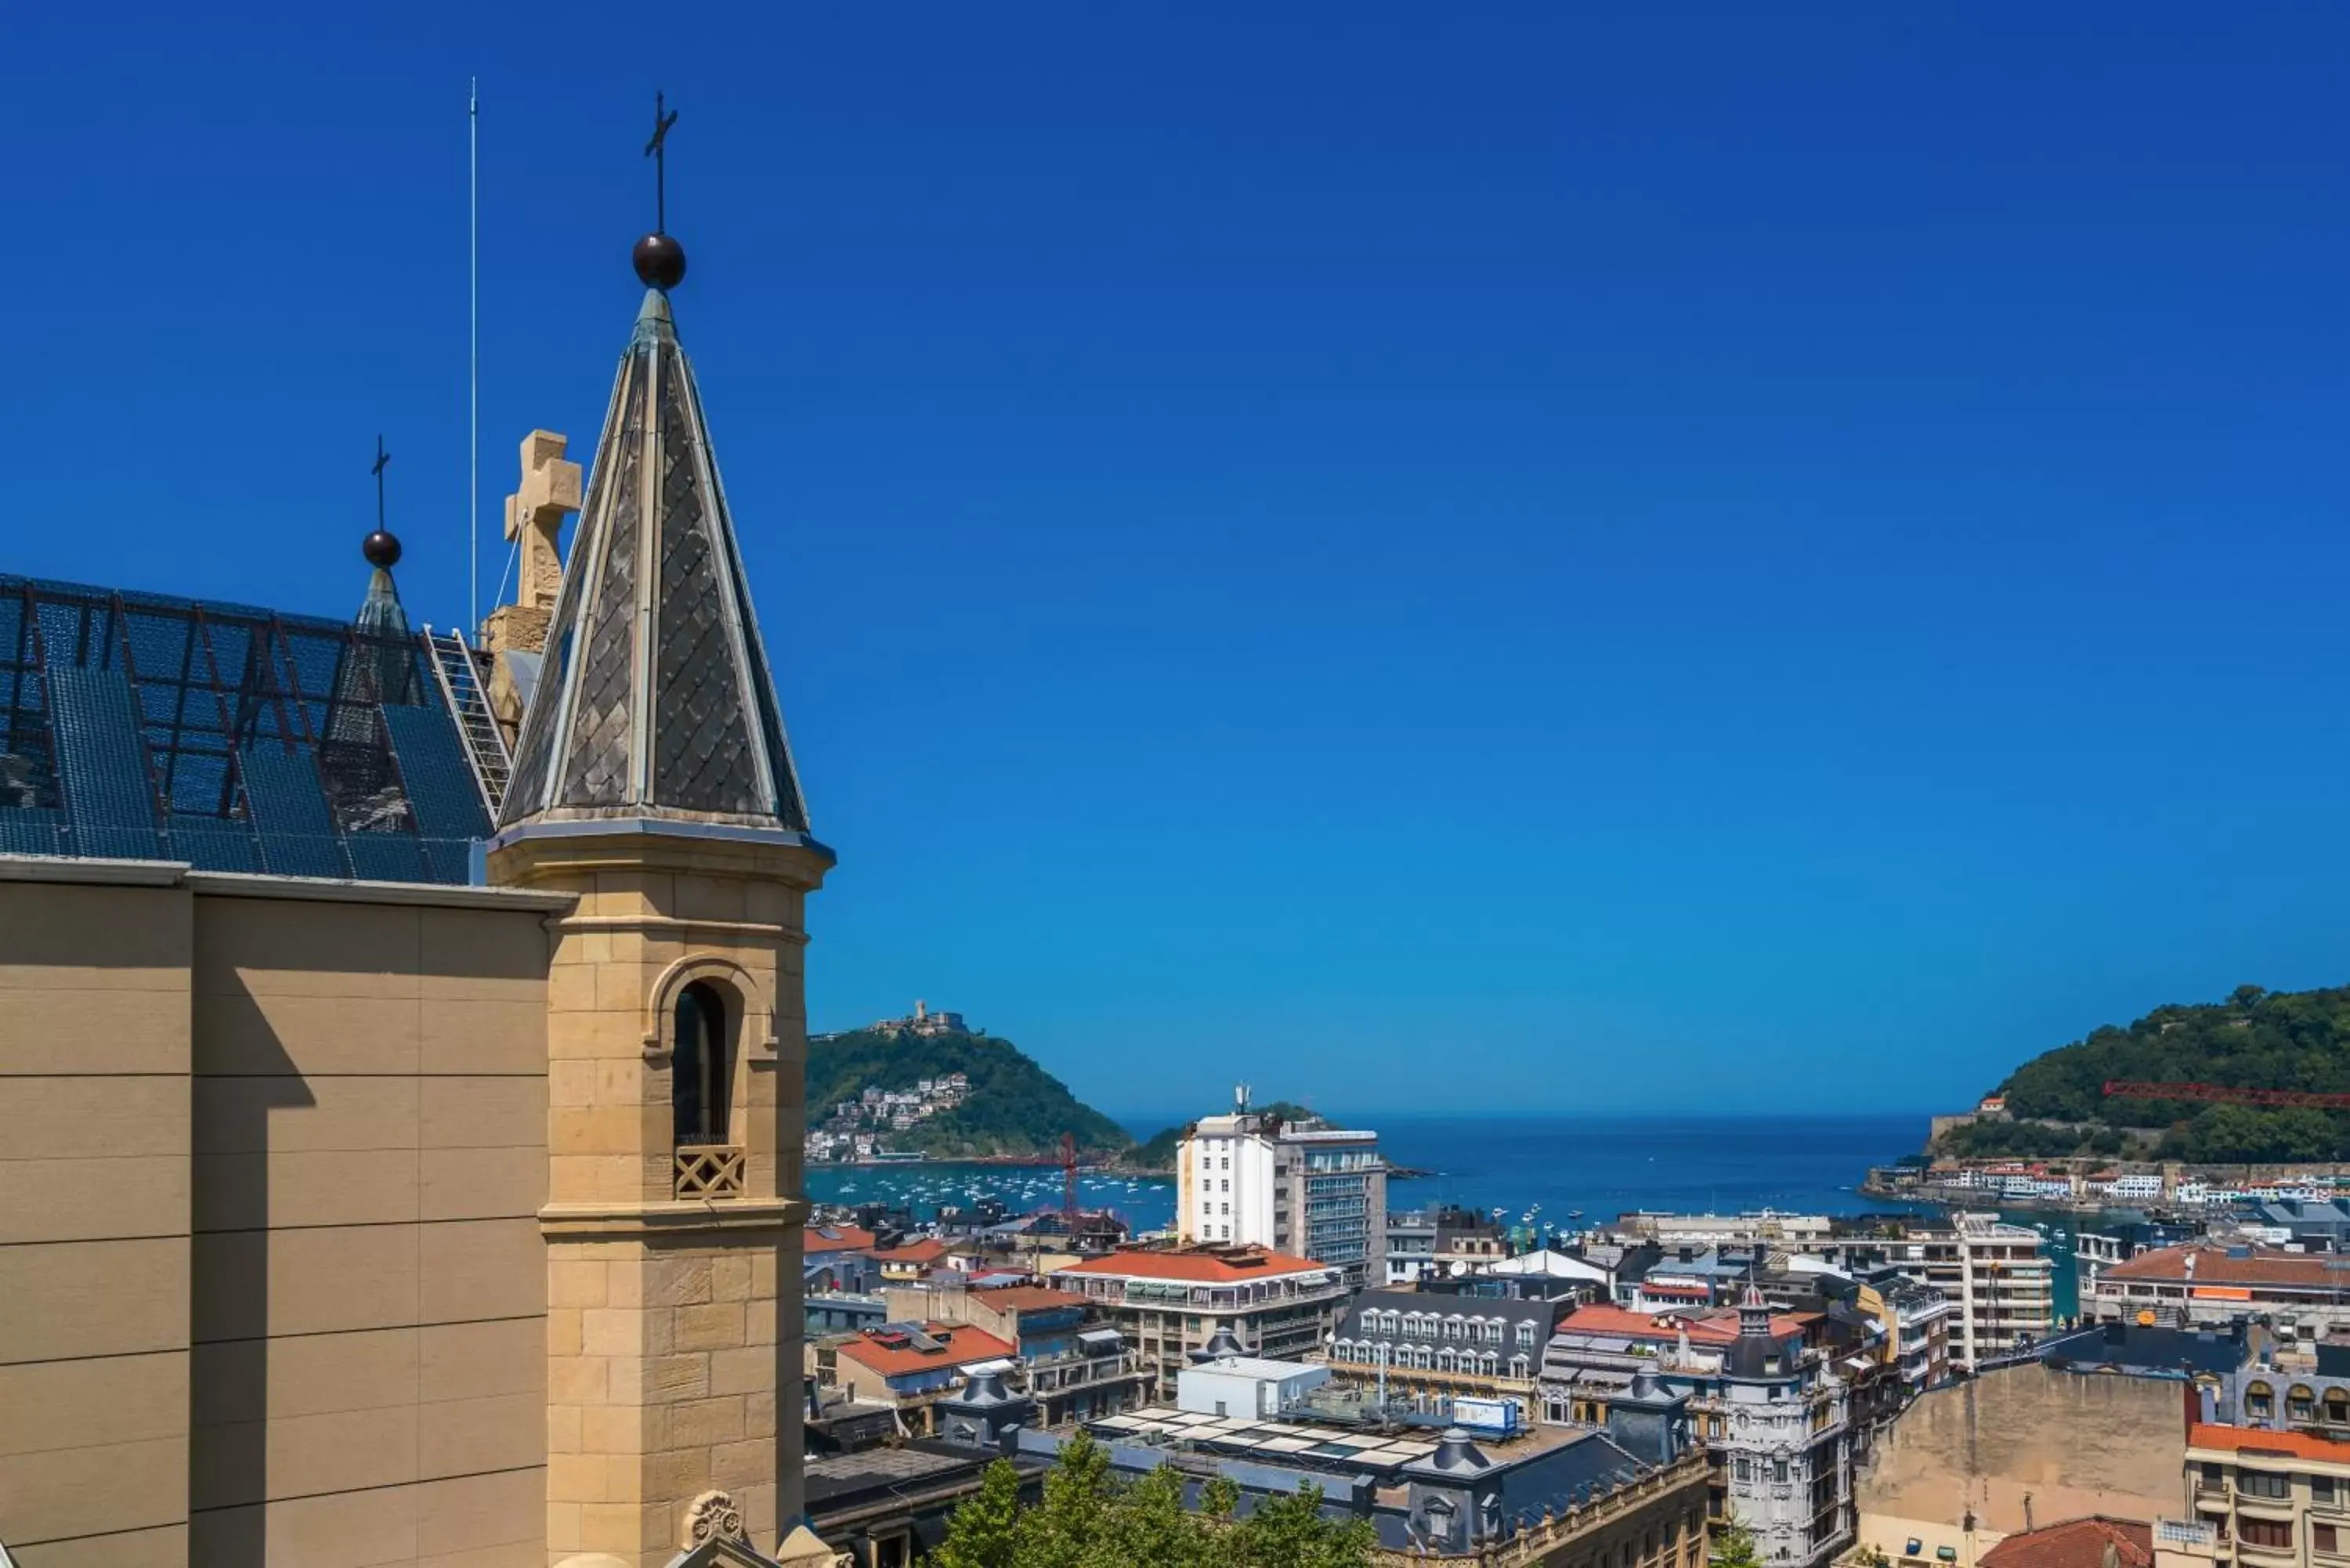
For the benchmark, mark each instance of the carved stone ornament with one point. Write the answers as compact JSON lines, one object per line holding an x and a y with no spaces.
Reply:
{"x":712,"y":1515}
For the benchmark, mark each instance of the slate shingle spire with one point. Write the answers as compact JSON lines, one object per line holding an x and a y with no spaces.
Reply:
{"x":655,"y":700}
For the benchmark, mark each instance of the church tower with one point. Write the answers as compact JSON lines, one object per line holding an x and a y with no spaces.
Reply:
{"x":653,"y":781}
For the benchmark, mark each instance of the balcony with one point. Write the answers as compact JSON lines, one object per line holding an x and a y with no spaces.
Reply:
{"x":707,"y":1170}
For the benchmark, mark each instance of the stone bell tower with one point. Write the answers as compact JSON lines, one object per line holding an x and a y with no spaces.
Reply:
{"x":653,"y":779}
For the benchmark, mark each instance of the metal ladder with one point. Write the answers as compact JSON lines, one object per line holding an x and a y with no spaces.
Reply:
{"x":455,"y":667}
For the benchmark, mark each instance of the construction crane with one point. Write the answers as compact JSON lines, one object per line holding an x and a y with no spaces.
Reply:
{"x":2224,"y":1095}
{"x":1069,"y":1180}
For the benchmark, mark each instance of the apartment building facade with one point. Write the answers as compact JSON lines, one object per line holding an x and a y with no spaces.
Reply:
{"x":1998,"y":1279}
{"x":2259,"y":1500}
{"x":1170,"y":1300}
{"x":1770,"y":1412}
{"x":1305,"y":1188}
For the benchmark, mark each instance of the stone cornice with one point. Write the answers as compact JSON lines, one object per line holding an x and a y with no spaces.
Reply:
{"x":573,"y":1220}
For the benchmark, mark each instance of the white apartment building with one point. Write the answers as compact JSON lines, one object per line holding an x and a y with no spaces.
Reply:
{"x":1301,"y":1188}
{"x":1998,"y":1277}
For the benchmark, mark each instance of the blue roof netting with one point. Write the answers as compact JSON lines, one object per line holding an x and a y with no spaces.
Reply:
{"x":236,"y":739}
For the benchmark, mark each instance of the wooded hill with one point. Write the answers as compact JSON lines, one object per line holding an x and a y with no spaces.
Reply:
{"x":2255,"y":1039}
{"x":1015,"y":1108}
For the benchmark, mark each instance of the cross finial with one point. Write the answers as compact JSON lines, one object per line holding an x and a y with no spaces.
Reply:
{"x":382,"y":460}
{"x":657,"y":149}
{"x":380,"y":548}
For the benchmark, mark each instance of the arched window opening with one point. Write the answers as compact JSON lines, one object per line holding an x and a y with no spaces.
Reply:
{"x":699,"y":1069}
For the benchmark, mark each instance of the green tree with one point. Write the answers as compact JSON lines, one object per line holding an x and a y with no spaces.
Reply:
{"x":1291,"y":1532}
{"x":1088,"y":1519}
{"x":1733,"y":1545}
{"x":985,"y":1532}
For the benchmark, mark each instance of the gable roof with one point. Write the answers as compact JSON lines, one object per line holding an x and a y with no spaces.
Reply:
{"x":958,"y":1344}
{"x":1027,"y":1298}
{"x":927,"y":1251}
{"x":2076,"y":1544}
{"x":1710,"y":1331}
{"x":836,"y":1238}
{"x":2216,"y":1266}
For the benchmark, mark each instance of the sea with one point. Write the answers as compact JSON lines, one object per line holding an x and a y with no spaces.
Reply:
{"x":1546,"y":1172}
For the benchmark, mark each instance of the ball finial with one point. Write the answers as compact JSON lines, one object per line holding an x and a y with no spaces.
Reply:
{"x":661,"y":261}
{"x":381,"y":548}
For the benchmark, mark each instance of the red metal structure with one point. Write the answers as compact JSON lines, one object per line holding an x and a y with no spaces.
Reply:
{"x":2222,"y":1094}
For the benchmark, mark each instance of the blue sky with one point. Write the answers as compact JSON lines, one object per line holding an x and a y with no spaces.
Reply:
{"x":1542,"y":559}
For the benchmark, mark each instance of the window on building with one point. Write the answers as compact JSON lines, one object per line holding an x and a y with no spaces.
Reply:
{"x":2322,"y":1538}
{"x":2264,"y":1483}
{"x":2264,"y":1532}
{"x":2300,"y":1404}
{"x":2259,"y":1400}
{"x":1526,"y":1333}
{"x":2337,"y":1407}
{"x":1741,"y":1469}
{"x":2320,"y":1490}
{"x":1227,"y":1208}
{"x":697,"y":1088}
{"x":1779,"y":1471}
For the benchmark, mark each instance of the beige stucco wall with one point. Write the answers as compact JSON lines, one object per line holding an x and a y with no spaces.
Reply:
{"x":2074,"y":1444}
{"x":272,"y":1289}
{"x":369,"y":1282}
{"x":94,"y":1209}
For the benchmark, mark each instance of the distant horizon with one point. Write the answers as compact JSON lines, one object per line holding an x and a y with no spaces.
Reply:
{"x":1662,"y":1118}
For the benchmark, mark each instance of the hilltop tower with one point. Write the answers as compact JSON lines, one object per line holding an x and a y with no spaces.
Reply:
{"x":652,"y":780}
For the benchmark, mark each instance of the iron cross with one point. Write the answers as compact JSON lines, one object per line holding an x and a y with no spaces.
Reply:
{"x":382,"y":458}
{"x":657,"y":149}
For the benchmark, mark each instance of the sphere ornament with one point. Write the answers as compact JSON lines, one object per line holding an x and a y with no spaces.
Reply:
{"x":661,"y":261}
{"x":381,"y":548}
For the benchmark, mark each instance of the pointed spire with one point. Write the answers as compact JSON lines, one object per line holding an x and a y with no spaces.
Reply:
{"x":656,"y":700}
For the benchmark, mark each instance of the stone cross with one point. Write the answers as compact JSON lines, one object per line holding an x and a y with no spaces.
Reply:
{"x":534,"y":514}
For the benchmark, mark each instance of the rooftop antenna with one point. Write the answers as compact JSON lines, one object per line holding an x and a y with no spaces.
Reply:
{"x":473,"y":353}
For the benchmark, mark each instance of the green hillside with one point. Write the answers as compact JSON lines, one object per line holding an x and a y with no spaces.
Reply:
{"x":1157,"y":1151}
{"x":1015,"y":1106}
{"x":2255,"y":1039}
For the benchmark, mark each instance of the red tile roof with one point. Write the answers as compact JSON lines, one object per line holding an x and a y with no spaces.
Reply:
{"x":1221,"y":1266}
{"x":1714,"y":1329}
{"x":2252,"y":1440}
{"x":961,"y":1343}
{"x":929,"y":1250}
{"x":1027,"y":1298}
{"x":2076,"y":1544}
{"x":2213,"y":1266}
{"x":836,"y":1238}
